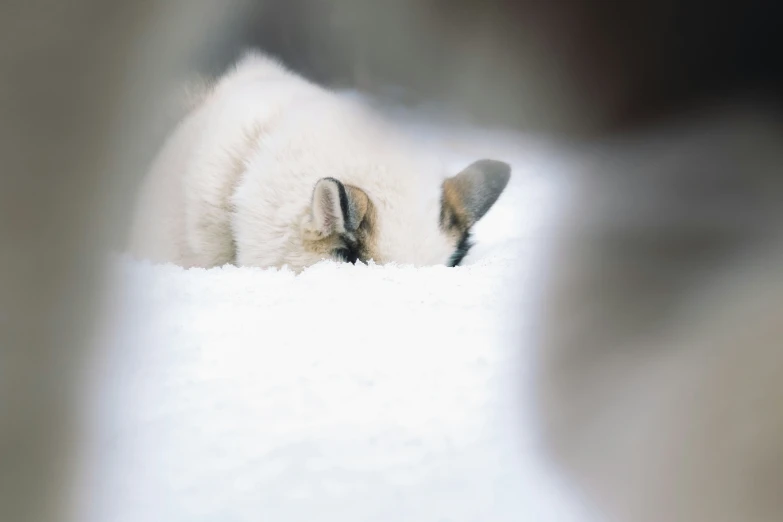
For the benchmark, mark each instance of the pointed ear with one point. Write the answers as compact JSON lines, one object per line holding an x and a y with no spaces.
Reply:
{"x":335,"y":209}
{"x":471,"y":193}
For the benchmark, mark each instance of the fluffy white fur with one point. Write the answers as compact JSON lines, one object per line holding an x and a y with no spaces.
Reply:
{"x":234,"y":182}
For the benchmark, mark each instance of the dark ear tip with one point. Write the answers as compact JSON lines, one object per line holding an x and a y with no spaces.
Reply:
{"x":497,"y":172}
{"x":330,"y":181}
{"x":323,"y":183}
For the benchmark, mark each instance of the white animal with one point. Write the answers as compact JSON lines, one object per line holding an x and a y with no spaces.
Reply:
{"x":270,"y":170}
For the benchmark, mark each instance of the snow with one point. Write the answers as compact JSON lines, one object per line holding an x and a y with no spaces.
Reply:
{"x":346,"y":393}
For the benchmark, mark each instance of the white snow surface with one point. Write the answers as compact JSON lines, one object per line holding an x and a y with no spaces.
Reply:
{"x":346,"y":393}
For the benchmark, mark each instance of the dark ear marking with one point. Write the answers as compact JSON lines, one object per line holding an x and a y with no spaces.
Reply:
{"x":341,"y":222}
{"x":463,"y":247}
{"x":336,"y":208}
{"x":345,"y":204}
{"x":344,"y":209}
{"x":326,"y":208}
{"x":467,"y":197}
{"x":470,"y":194}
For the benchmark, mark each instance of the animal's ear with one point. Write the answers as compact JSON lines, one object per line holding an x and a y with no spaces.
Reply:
{"x":471,"y":193}
{"x":335,"y":209}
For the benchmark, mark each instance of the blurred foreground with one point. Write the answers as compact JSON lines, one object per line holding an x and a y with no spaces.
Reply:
{"x":658,"y":328}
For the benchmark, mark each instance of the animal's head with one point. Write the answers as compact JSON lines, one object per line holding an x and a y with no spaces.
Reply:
{"x":346,"y":223}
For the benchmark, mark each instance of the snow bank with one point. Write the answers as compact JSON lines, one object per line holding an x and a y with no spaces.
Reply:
{"x":347,"y":393}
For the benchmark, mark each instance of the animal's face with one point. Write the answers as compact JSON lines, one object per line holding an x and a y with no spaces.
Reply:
{"x":343,"y":222}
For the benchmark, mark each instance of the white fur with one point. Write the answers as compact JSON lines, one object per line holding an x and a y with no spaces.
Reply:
{"x":235,"y":180}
